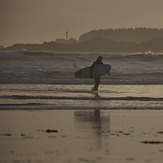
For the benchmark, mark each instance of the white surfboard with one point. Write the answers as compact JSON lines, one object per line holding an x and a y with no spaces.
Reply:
{"x":98,"y":70}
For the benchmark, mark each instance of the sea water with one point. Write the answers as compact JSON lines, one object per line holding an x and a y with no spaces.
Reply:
{"x":59,"y":67}
{"x":45,"y":80}
{"x":38,"y":91}
{"x":77,"y":97}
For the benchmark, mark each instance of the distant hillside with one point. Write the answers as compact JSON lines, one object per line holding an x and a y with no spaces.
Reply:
{"x":127,"y":34}
{"x":111,"y":40}
{"x":94,"y":45}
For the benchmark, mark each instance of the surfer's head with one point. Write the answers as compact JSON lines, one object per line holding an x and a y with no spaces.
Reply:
{"x":99,"y":58}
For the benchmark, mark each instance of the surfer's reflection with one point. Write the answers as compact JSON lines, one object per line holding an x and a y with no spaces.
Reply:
{"x":94,"y":124}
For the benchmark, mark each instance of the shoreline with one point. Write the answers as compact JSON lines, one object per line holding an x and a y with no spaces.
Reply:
{"x":82,"y":83}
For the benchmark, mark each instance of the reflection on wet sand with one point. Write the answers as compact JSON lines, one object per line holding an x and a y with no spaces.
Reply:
{"x":86,"y":136}
{"x":95,"y":123}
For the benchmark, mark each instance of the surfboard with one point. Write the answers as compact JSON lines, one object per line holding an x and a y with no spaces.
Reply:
{"x":98,"y":70}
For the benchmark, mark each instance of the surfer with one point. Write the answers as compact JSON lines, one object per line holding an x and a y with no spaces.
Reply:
{"x":97,"y":79}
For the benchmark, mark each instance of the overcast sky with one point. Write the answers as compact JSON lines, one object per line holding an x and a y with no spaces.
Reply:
{"x":36,"y":21}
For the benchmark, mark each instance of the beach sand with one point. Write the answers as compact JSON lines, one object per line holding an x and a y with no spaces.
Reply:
{"x":81,"y":136}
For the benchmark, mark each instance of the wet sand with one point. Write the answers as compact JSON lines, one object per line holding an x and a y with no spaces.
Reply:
{"x":84,"y":136}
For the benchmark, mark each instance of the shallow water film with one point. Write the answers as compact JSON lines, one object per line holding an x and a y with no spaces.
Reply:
{"x":70,"y":136}
{"x":51,"y":96}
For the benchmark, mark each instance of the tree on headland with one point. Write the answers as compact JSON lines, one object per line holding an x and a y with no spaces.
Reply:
{"x":123,"y":34}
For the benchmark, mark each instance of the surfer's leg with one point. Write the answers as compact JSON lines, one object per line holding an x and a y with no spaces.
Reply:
{"x":97,"y":82}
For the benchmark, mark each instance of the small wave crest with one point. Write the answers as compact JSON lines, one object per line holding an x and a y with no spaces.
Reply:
{"x":128,"y":98}
{"x":50,"y":107}
{"x":15,"y":53}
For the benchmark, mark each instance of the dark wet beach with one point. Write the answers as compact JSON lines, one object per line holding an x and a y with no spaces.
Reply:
{"x":70,"y":136}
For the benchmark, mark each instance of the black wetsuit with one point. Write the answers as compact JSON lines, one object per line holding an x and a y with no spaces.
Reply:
{"x":97,"y":79}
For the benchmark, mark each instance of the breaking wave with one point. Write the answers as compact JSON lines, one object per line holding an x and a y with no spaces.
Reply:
{"x":129,"y":98}
{"x":59,"y":67}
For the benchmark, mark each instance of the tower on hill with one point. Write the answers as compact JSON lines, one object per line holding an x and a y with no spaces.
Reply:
{"x":66,"y":35}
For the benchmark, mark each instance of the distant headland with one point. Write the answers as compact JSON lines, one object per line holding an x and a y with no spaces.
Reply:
{"x":109,"y":40}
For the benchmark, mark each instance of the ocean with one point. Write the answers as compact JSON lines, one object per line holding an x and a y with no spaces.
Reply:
{"x":78,"y":97}
{"x":49,"y":116}
{"x":45,"y":80}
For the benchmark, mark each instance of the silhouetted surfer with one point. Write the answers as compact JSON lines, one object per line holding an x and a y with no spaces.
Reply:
{"x":97,"y":79}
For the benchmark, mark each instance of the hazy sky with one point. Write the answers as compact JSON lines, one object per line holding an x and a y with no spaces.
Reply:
{"x":36,"y":21}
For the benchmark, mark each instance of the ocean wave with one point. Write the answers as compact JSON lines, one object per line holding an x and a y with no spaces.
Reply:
{"x":59,"y":67}
{"x":89,"y":57}
{"x":26,"y":104}
{"x":145,"y":57}
{"x":86,"y":56}
{"x":15,"y":53}
{"x":128,"y":98}
{"x":52,"y":107}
